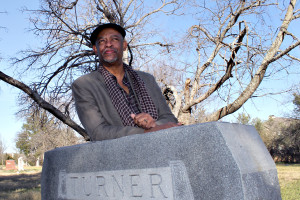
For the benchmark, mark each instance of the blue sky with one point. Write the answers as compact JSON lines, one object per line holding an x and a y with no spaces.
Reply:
{"x":15,"y":37}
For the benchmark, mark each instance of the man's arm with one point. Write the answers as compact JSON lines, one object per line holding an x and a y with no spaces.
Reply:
{"x":92,"y":117}
{"x":166,"y":119}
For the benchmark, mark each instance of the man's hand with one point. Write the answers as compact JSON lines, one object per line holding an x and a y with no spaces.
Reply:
{"x":163,"y":126}
{"x":146,"y":122}
{"x":143,"y":120}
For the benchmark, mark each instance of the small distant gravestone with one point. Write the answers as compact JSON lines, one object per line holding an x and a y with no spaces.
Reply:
{"x":209,"y":161}
{"x":37,"y":163}
{"x":20,"y":164}
{"x":10,"y":165}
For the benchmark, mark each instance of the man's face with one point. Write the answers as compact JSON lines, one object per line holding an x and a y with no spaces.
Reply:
{"x":109,"y":46}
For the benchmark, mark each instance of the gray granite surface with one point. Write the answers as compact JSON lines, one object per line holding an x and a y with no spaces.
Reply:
{"x":205,"y":161}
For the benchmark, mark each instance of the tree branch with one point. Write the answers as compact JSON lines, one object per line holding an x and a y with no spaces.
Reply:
{"x":225,"y":77}
{"x":285,"y":52}
{"x":44,"y":104}
{"x":292,"y":57}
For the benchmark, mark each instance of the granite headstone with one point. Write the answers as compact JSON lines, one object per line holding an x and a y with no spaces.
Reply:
{"x":212,"y":160}
{"x":20,"y":164}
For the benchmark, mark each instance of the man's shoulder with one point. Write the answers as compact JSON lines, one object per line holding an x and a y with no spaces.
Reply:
{"x":144,"y":75}
{"x":88,"y":77}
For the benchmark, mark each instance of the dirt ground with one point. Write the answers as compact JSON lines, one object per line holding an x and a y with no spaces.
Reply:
{"x":18,"y":181}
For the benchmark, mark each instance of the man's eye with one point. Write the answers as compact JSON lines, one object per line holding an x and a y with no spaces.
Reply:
{"x":101,"y":41}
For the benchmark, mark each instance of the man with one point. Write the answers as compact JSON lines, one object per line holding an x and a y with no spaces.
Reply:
{"x":116,"y":100}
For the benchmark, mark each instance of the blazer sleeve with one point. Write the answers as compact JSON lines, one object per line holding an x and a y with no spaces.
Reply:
{"x":92,"y":117}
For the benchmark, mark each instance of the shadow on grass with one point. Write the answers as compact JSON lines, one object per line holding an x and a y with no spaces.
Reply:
{"x":18,"y":184}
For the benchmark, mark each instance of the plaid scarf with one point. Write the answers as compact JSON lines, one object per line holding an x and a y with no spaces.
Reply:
{"x":118,"y":100}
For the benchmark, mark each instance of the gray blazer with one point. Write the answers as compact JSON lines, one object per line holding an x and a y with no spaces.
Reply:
{"x":99,"y":116}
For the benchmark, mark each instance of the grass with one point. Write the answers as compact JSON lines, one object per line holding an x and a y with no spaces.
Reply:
{"x":288,"y":175}
{"x":27,"y":170}
{"x":289,"y":180}
{"x":22,"y":194}
{"x":24,"y":185}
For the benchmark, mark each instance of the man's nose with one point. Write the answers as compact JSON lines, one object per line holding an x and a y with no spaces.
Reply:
{"x":108,"y":43}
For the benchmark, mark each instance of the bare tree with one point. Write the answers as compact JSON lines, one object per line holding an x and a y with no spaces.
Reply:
{"x":66,"y":53}
{"x":233,"y":53}
{"x":40,"y":133}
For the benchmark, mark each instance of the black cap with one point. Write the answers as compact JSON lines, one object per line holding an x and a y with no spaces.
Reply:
{"x":95,"y":33}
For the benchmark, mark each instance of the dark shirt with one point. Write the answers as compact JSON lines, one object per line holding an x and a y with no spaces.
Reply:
{"x":130,"y":98}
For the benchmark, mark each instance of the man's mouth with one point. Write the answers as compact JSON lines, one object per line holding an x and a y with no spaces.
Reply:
{"x":109,"y":51}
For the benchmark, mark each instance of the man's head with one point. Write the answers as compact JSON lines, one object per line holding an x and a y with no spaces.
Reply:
{"x":101,"y":27}
{"x":109,"y":44}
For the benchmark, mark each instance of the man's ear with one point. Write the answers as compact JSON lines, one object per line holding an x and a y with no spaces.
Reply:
{"x":124,"y":45}
{"x":95,"y":49}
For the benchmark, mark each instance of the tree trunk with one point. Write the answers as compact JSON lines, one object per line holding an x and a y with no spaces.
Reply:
{"x":185,"y":118}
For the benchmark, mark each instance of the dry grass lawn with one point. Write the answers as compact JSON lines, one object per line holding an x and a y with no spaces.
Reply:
{"x":21,"y":186}
{"x":289,"y":180}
